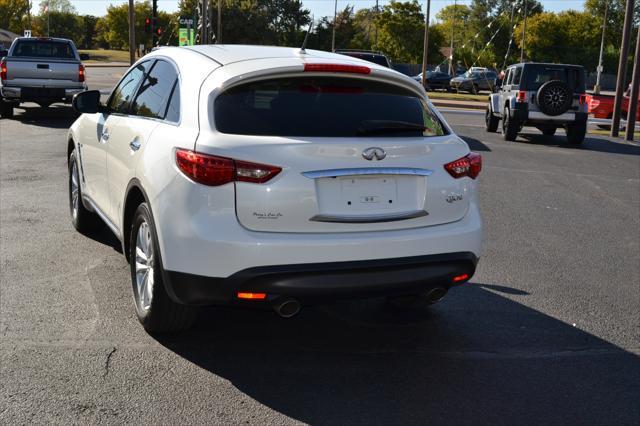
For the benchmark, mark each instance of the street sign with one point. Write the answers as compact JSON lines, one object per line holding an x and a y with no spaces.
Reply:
{"x":186,"y":32}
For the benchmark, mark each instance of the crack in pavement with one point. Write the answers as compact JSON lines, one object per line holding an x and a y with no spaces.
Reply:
{"x":108,"y":361}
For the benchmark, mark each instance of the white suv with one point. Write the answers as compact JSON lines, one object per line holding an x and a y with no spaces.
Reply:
{"x":267,"y":176}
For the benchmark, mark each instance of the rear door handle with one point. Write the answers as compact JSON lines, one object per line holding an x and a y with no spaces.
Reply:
{"x":134,"y":145}
{"x":105,"y":136}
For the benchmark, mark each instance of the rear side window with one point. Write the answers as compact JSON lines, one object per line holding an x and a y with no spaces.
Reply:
{"x":517,"y":73}
{"x":154,"y":93}
{"x":43,"y":49}
{"x":323,"y":106}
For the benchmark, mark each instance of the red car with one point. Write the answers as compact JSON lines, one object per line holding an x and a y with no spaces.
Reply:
{"x":601,"y":106}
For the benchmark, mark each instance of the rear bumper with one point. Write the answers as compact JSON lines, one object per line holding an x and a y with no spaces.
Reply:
{"x":26,"y":94}
{"x":311,"y":283}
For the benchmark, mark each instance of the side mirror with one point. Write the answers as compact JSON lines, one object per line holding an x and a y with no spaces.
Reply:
{"x":87,"y":102}
{"x":84,"y":56}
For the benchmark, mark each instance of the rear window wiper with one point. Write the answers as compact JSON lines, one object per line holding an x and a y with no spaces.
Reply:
{"x":368,"y":127}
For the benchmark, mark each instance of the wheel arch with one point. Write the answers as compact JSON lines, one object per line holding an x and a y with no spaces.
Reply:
{"x":134,"y":196}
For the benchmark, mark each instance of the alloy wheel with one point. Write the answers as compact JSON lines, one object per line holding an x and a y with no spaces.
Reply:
{"x":144,"y":266}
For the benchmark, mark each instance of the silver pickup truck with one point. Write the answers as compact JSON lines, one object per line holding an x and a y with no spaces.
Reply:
{"x":40,"y":70}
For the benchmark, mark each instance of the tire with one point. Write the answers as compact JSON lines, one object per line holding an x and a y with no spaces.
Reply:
{"x":554,"y":97}
{"x":6,"y":110}
{"x":576,"y":133}
{"x":547,"y":130}
{"x":491,"y":121}
{"x":510,"y":127}
{"x":81,"y":218}
{"x":155,"y":310}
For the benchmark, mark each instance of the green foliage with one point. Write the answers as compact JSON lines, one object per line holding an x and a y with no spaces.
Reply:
{"x":12,"y":13}
{"x":59,"y":24}
{"x":114,"y":28}
{"x":566,"y":37}
{"x":64,"y":6}
{"x":401,"y":31}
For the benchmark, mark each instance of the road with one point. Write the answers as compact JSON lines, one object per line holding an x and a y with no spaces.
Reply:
{"x":547,"y":332}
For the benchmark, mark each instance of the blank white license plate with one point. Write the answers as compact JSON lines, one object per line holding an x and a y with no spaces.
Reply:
{"x":368,"y":193}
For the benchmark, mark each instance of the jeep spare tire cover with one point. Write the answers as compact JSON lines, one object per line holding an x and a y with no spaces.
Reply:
{"x":554,"y":97}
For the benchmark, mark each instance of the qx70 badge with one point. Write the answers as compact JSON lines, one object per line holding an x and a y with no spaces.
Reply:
{"x":374,"y":153}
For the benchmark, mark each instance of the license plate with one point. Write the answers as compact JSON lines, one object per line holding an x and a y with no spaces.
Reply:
{"x":365,"y":193}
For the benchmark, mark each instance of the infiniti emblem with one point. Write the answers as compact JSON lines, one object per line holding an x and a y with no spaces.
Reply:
{"x":374,"y":153}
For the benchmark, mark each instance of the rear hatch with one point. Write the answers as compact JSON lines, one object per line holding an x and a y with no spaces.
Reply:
{"x":35,"y":59}
{"x":356,"y":155}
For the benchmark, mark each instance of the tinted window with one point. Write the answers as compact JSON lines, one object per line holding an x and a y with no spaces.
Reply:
{"x":173,"y":109}
{"x":322,"y":106}
{"x":121,"y":96}
{"x":537,"y":75}
{"x":517,"y":72}
{"x":44,"y":49}
{"x":153,"y":95}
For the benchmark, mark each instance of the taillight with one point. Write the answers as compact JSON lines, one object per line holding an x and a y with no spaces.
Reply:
{"x":3,"y":70}
{"x":355,"y":69}
{"x":81,"y":73}
{"x":521,"y":96}
{"x":215,"y":171}
{"x":469,"y":165}
{"x":583,"y":99}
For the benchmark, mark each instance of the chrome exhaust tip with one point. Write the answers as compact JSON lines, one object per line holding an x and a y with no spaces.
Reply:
{"x":435,"y":295}
{"x":287,"y":308}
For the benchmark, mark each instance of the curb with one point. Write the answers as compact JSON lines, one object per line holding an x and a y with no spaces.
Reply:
{"x":107,"y":65}
{"x":465,"y":105}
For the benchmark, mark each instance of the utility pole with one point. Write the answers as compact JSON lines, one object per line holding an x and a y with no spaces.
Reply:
{"x":524,"y":32}
{"x":596,"y":88}
{"x":506,"y":55}
{"x":622,"y":68}
{"x":333,"y":33}
{"x":219,"y":38}
{"x":29,"y":13}
{"x":425,"y":48}
{"x":376,"y":28}
{"x":632,"y":109}
{"x":204,"y":37}
{"x":48,"y":15}
{"x":154,"y":22}
{"x":132,"y":34}
{"x":453,"y":21}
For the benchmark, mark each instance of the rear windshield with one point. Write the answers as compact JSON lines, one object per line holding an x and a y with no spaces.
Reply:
{"x":536,"y":75}
{"x":43,"y":49}
{"x":323,"y":106}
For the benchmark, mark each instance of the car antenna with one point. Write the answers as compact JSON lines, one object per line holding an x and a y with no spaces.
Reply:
{"x":306,"y":37}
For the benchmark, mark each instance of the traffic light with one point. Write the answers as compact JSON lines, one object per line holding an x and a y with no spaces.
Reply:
{"x":159,"y":31}
{"x":147,"y":25}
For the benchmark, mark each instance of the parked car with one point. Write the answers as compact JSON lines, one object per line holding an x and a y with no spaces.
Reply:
{"x":435,"y":80}
{"x":262,"y":176}
{"x":474,"y":81}
{"x":601,"y":106}
{"x":367,"y":55}
{"x":546,"y":96}
{"x":41,"y":70}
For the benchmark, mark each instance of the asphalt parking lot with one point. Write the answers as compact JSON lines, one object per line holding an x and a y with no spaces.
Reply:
{"x":547,"y":332}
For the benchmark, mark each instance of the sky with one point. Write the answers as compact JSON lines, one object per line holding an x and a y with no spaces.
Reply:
{"x":318,"y":8}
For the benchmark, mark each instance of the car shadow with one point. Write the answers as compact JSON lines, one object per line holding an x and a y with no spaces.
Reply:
{"x":103,"y":235}
{"x":590,"y":143}
{"x":56,"y":116}
{"x":476,"y":358}
{"x":475,"y":144}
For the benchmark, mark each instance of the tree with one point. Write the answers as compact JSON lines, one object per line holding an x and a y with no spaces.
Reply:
{"x":566,"y":37}
{"x":345,"y":31}
{"x":11,"y":14}
{"x":63,"y":6}
{"x":400,"y":31}
{"x":615,"y":18}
